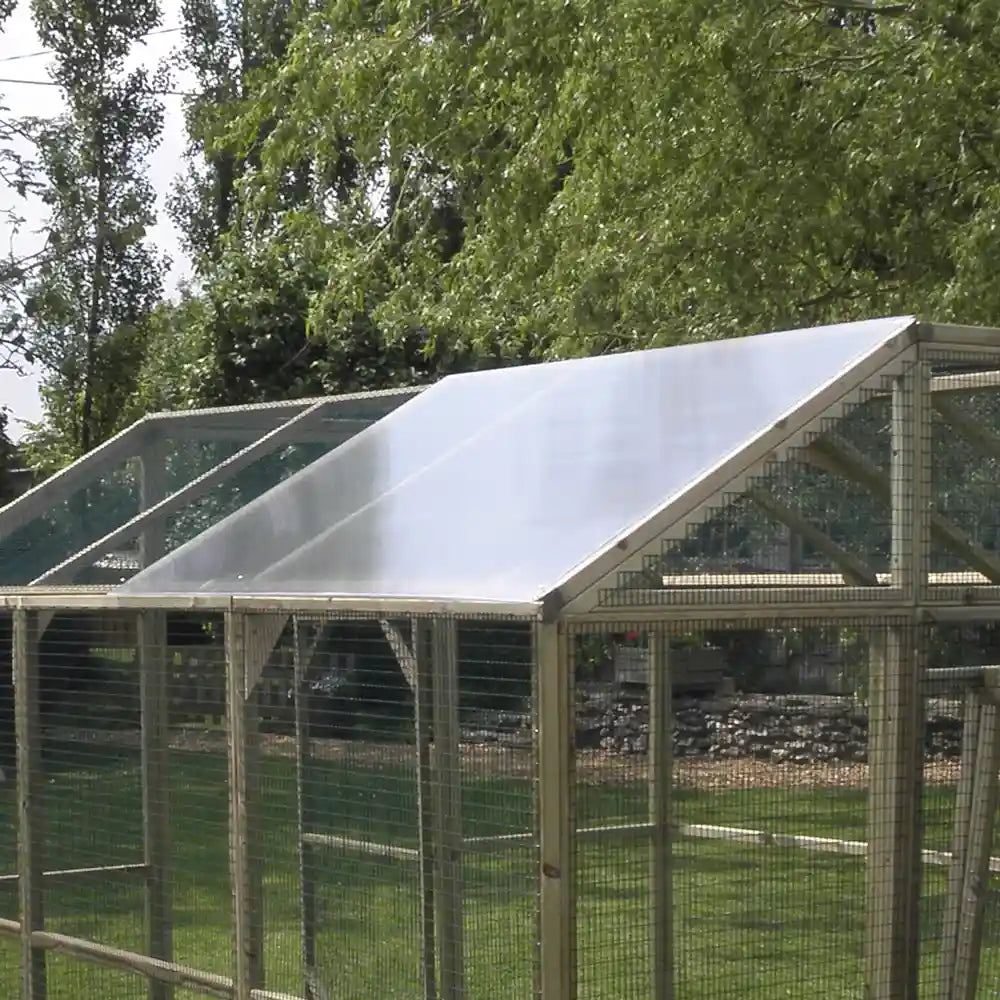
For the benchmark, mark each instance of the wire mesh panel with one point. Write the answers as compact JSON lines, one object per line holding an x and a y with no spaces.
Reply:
{"x":89,"y":791}
{"x":965,"y":451}
{"x":392,"y":837}
{"x":960,"y":904}
{"x":192,"y":781}
{"x":9,"y":957}
{"x":773,"y":816}
{"x":498,"y":792}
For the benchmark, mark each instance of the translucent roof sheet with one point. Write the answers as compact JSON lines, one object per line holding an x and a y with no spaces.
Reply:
{"x":494,"y":486}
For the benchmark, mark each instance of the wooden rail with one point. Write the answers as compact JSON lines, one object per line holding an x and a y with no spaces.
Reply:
{"x":624,"y":831}
{"x":71,"y":874}
{"x":196,"y":980}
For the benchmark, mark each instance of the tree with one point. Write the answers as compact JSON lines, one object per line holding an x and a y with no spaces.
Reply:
{"x":257,"y":277}
{"x":630,"y":173}
{"x":16,"y":176}
{"x":89,"y":307}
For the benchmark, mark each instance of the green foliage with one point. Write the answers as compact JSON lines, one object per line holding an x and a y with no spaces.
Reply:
{"x":17,"y":180}
{"x":6,"y":455}
{"x":89,"y":304}
{"x":633,"y":173}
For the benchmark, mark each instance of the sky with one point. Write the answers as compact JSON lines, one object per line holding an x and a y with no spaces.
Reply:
{"x":19,"y":60}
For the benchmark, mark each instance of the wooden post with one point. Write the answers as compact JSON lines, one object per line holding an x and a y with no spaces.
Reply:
{"x":555,"y":762}
{"x":30,"y":802}
{"x":894,"y":839}
{"x":661,"y":740}
{"x":306,"y":822}
{"x":447,"y":788}
{"x":415,"y":662}
{"x":423,"y":709}
{"x":959,"y":846}
{"x":154,"y":716}
{"x":244,"y":771}
{"x":896,"y":709}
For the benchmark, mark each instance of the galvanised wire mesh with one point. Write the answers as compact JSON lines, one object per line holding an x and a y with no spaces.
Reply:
{"x":961,"y":819}
{"x":352,"y":798}
{"x":816,"y":516}
{"x":85,"y":783}
{"x":965,"y":450}
{"x":770,"y":801}
{"x":419,"y":858}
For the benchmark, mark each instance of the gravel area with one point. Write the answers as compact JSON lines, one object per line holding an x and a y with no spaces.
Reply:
{"x":737,"y":726}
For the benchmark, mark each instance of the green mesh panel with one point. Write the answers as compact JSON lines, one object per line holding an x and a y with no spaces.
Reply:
{"x":88,"y":514}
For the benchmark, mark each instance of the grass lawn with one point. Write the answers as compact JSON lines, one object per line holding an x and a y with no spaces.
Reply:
{"x":750,"y":923}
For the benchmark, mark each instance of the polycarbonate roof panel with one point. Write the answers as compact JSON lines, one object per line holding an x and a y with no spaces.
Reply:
{"x":493,"y":486}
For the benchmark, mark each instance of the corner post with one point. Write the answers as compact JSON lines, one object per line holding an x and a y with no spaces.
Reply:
{"x":896,"y":712}
{"x":555,"y":769}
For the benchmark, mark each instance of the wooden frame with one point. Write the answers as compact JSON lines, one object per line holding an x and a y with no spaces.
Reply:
{"x":555,"y":770}
{"x":446,"y":789}
{"x":244,"y":771}
{"x":305,"y":802}
{"x":661,"y":739}
{"x":30,"y":804}
{"x":423,"y":727}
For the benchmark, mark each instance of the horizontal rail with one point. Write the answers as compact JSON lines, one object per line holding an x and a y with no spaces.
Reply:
{"x":206,"y":983}
{"x":69,"y":874}
{"x":695,"y":831}
{"x":806,"y":580}
{"x":824,"y":845}
{"x":586,"y":833}
{"x":361,"y":846}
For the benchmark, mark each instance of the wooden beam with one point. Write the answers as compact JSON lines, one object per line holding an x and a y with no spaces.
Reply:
{"x":555,"y":769}
{"x":854,"y":569}
{"x":369,"y":847}
{"x":305,"y":806}
{"x":839,"y":457}
{"x":951,"y":919}
{"x":262,"y":633}
{"x":244,"y":776}
{"x":154,"y":701}
{"x":102,"y":872}
{"x":965,"y":382}
{"x":181,"y":976}
{"x":423,"y":723}
{"x":447,"y":790}
{"x":975,"y":884}
{"x":893,"y":856}
{"x":402,"y":651}
{"x":30,"y":803}
{"x":661,"y":739}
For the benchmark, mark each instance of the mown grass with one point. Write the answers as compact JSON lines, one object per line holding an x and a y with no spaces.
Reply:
{"x":750,"y":923}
